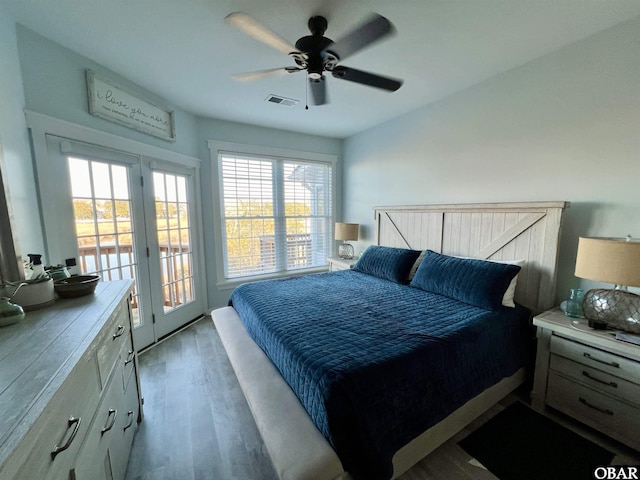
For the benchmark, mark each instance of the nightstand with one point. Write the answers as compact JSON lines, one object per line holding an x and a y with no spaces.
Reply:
{"x":337,"y":263}
{"x":588,"y":375}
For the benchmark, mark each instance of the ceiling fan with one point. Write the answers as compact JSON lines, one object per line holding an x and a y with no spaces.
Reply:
{"x":317,"y":54}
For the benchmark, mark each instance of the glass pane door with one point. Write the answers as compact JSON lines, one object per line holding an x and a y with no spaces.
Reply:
{"x":172,"y":224}
{"x":174,"y":275}
{"x":103,"y":218}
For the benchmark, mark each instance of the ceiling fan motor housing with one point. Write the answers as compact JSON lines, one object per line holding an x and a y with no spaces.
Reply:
{"x":313,"y":46}
{"x":317,"y":25}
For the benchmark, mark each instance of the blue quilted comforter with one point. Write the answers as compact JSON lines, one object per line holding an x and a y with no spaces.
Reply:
{"x":376,"y":363}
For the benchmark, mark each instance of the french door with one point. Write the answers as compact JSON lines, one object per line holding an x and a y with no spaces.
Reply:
{"x":125,"y":216}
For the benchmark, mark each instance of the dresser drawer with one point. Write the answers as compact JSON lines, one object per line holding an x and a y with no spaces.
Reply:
{"x":64,"y":422}
{"x":93,"y":460}
{"x":126,"y":427}
{"x":596,"y":379}
{"x":105,"y":453}
{"x":605,"y":413}
{"x":607,"y":362}
{"x":113,"y":336}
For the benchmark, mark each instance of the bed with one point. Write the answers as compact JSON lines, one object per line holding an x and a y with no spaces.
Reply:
{"x":298,"y":434}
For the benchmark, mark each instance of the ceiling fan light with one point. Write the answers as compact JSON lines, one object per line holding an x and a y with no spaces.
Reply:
{"x":315,"y":76}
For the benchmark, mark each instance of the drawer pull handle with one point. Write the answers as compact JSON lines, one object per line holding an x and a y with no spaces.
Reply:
{"x":604,"y":382}
{"x":611,"y":364}
{"x":76,"y":425}
{"x":130,"y":417}
{"x":129,"y":357}
{"x":599,"y":409}
{"x":119,"y":332}
{"x":113,"y":413}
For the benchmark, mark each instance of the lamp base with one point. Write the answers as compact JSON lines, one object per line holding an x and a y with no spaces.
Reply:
{"x":617,"y":308}
{"x":345,"y":251}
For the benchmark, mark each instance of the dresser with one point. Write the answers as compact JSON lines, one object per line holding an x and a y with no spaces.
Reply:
{"x":69,"y":389}
{"x":589,"y":375}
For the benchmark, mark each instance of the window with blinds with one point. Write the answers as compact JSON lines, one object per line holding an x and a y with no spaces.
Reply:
{"x":277,"y":214}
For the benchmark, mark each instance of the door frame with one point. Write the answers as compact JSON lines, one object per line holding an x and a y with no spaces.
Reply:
{"x":42,"y":125}
{"x":153,"y":166}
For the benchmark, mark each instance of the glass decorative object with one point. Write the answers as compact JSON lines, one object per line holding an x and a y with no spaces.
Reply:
{"x":10,"y":313}
{"x":618,"y":308}
{"x":574,"y":303}
{"x":345,"y":251}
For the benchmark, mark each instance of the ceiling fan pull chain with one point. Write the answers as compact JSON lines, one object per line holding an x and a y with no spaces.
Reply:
{"x":306,"y":94}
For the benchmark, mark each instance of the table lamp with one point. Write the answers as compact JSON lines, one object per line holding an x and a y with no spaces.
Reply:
{"x":616,"y":261}
{"x":344,"y":232}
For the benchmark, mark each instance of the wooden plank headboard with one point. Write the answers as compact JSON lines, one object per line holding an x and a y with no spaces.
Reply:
{"x":497,"y":231}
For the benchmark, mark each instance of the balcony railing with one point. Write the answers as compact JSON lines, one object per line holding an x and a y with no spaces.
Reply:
{"x":115,"y":262}
{"x":299,"y":253}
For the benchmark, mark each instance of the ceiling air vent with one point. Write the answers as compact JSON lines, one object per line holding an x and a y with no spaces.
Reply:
{"x":286,"y":102}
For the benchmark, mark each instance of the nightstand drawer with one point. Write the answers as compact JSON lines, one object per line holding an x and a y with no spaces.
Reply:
{"x":596,"y":379}
{"x":607,"y":362}
{"x":600,"y":411}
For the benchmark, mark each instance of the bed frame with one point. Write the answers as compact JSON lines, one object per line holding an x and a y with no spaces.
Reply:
{"x":500,"y":231}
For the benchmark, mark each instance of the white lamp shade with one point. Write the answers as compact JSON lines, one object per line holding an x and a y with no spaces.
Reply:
{"x":609,"y":260}
{"x":346,"y":231}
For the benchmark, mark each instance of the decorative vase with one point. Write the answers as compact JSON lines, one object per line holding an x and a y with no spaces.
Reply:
{"x":574,"y":303}
{"x":10,"y":313}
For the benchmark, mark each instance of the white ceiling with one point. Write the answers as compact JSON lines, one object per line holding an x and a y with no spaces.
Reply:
{"x":183,"y":51}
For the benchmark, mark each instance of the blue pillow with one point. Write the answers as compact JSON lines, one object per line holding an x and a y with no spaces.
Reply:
{"x":471,"y":281}
{"x":386,"y":262}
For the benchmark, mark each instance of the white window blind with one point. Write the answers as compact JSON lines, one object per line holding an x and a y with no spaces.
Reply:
{"x":277,"y":214}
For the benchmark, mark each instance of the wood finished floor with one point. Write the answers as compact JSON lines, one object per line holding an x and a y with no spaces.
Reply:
{"x":198,"y":425}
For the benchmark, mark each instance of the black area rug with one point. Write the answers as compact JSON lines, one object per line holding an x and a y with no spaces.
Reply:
{"x":521,"y":444}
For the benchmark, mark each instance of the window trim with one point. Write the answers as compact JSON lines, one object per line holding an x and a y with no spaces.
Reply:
{"x":218,"y":147}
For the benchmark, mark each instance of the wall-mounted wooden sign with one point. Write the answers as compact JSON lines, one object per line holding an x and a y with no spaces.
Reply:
{"x":112,"y":102}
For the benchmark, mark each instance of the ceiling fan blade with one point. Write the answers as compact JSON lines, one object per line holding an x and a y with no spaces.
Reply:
{"x":372,"y":30}
{"x":260,"y":74}
{"x":318,"y":90}
{"x":366,"y":78}
{"x":255,"y":29}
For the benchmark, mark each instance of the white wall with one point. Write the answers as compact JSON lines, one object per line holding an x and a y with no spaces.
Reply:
{"x":17,"y":166}
{"x":562,"y":127}
{"x":55,"y":84}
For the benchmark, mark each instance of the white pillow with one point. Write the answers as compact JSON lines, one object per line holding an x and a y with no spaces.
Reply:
{"x":507,"y":299}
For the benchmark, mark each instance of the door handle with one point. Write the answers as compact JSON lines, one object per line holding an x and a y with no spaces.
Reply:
{"x":606,"y":411}
{"x":75,"y":422}
{"x":130,"y":416}
{"x":611,"y":364}
{"x":130,"y":357}
{"x":595,"y":379}
{"x":119,"y":332}
{"x":113,"y":413}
